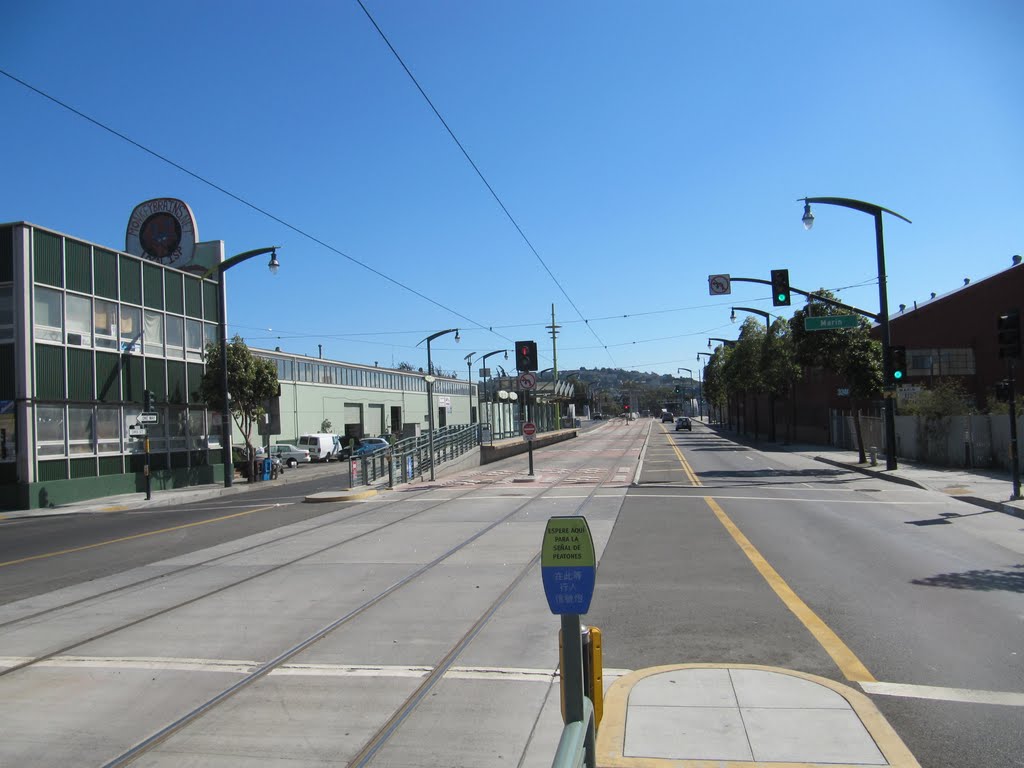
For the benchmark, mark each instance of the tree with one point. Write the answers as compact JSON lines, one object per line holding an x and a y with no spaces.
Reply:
{"x":326,"y":426}
{"x":251,"y":381}
{"x":852,"y":353}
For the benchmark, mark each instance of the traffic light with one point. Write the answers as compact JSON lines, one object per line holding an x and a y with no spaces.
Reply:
{"x":1009,"y":334}
{"x":147,"y":400}
{"x":780,"y":288}
{"x":679,"y":389}
{"x":899,"y":362}
{"x":625,"y":407}
{"x":526,"y":356}
{"x":1003,"y":391}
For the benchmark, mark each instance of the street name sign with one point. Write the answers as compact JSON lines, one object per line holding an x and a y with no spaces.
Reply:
{"x":831,"y":322}
{"x":135,"y":430}
{"x":149,"y":417}
{"x":568,"y":567}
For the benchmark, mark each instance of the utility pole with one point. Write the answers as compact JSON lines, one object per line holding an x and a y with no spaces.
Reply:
{"x":554,"y":371}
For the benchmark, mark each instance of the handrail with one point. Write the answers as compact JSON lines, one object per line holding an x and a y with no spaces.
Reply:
{"x":573,"y":749}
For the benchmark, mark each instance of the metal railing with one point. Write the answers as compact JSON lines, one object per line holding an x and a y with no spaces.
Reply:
{"x":410,"y":458}
{"x":576,"y":744}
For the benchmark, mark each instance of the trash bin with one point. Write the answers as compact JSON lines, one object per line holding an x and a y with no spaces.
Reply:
{"x":267,"y":468}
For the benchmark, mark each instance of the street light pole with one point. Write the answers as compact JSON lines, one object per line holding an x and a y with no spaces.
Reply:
{"x":469,"y":378}
{"x":700,"y":398}
{"x":222,"y":301}
{"x":688,"y":370}
{"x":883,"y":312}
{"x":487,"y":396}
{"x":429,"y":378}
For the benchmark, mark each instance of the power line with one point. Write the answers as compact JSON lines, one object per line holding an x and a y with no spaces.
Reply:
{"x":476,"y":168}
{"x":244,"y":202}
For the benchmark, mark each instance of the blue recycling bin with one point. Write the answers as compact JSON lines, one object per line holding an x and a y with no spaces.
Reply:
{"x":268,"y":465}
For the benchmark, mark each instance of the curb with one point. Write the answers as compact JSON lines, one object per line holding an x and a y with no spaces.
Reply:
{"x":872,"y":473}
{"x":338,"y":496}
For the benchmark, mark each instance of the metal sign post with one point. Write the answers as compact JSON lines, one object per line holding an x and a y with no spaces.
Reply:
{"x":568,"y":570}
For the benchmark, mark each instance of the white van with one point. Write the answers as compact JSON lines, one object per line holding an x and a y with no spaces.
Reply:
{"x":321,"y":446}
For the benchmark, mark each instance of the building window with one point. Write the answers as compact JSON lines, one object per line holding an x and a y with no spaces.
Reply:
{"x":210,"y":335}
{"x":213,"y":437}
{"x":175,"y":336}
{"x":105,"y":323}
{"x":196,"y":429}
{"x":154,"y":333}
{"x":194,"y":339}
{"x":81,"y":430}
{"x":131,"y":329}
{"x":108,"y":429}
{"x":6,"y":312}
{"x":49,"y":317}
{"x":50,"y":430}
{"x":177,"y":429}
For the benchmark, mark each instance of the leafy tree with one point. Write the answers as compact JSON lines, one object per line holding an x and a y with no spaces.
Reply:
{"x":326,"y":426}
{"x":852,"y":353}
{"x":251,"y":381}
{"x":403,"y":366}
{"x":743,"y":371}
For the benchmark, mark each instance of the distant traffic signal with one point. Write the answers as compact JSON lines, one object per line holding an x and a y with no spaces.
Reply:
{"x":526,"y":355}
{"x":780,"y":288}
{"x":899,"y":363}
{"x":1009,"y":334}
{"x":1003,"y":391}
{"x":625,"y":406}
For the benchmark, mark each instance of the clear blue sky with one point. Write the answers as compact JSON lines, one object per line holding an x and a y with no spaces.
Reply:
{"x":639,"y":146}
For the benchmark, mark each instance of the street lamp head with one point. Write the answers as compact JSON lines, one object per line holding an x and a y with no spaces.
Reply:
{"x":709,"y":343}
{"x":732,"y":317}
{"x":506,"y":354}
{"x":457,"y":337}
{"x":808,"y":217}
{"x":274,"y":264}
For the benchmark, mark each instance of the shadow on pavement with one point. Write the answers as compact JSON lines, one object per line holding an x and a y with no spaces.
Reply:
{"x":987,"y":580}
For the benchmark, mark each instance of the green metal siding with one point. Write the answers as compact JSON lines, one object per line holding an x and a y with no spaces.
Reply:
{"x":156,"y":379}
{"x":83,"y":468}
{"x":80,"y":375}
{"x":111,"y":465}
{"x":108,"y":377}
{"x":193,"y":298}
{"x":49,"y":372}
{"x":78,"y":266}
{"x":53,"y":470}
{"x":176,"y":389}
{"x":48,"y":266}
{"x":7,"y":377}
{"x":173,"y":292}
{"x":105,"y":273}
{"x":153,"y":286}
{"x":195,"y":379}
{"x":131,"y":280}
{"x":6,"y":254}
{"x":131,"y":378}
{"x":211,"y":309}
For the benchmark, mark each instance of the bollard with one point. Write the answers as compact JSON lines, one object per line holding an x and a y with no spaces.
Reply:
{"x":873,"y":454}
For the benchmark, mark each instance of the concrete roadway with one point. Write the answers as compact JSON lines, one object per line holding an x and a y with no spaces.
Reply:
{"x":720,"y":554}
{"x":914,"y":597}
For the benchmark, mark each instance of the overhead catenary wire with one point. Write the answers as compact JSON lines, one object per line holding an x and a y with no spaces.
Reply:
{"x":247,"y":203}
{"x":479,"y":173}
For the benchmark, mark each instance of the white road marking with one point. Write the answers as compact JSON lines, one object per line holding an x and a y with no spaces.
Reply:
{"x":243,"y":667}
{"x":937,"y":693}
{"x":701,"y":492}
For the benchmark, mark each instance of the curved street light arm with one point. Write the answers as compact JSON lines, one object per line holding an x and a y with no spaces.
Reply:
{"x":238,"y":259}
{"x":812,"y":296}
{"x":857,"y":205}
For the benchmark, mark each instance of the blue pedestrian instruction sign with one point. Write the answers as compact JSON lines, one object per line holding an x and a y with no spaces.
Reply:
{"x":568,"y":567}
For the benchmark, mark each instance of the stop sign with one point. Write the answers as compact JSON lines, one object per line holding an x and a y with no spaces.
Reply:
{"x":529,"y":429}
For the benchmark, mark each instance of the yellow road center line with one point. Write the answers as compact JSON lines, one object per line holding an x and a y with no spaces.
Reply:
{"x":134,"y":536}
{"x":844,"y":658}
{"x":690,"y":474}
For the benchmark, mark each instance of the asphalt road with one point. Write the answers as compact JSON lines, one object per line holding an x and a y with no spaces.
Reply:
{"x":721,"y":554}
{"x":919,"y":589}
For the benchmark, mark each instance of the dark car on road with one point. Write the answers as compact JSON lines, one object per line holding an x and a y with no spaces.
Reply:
{"x":667,"y":416}
{"x":683,"y":423}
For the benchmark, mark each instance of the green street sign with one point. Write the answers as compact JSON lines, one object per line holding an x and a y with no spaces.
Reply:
{"x":830,"y":323}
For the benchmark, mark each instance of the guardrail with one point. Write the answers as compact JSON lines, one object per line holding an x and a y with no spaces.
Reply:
{"x":577,"y":742}
{"x":410,"y":458}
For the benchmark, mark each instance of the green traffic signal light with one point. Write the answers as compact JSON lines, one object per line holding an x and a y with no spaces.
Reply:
{"x":897,"y":374}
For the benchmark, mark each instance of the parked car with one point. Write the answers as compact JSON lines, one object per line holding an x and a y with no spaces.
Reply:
{"x":666,"y":416}
{"x":322,"y":446}
{"x":289,"y":454}
{"x":683,"y":423}
{"x":370,"y":445}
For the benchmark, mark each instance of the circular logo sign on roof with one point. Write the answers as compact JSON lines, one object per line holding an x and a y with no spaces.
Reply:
{"x":162,"y":230}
